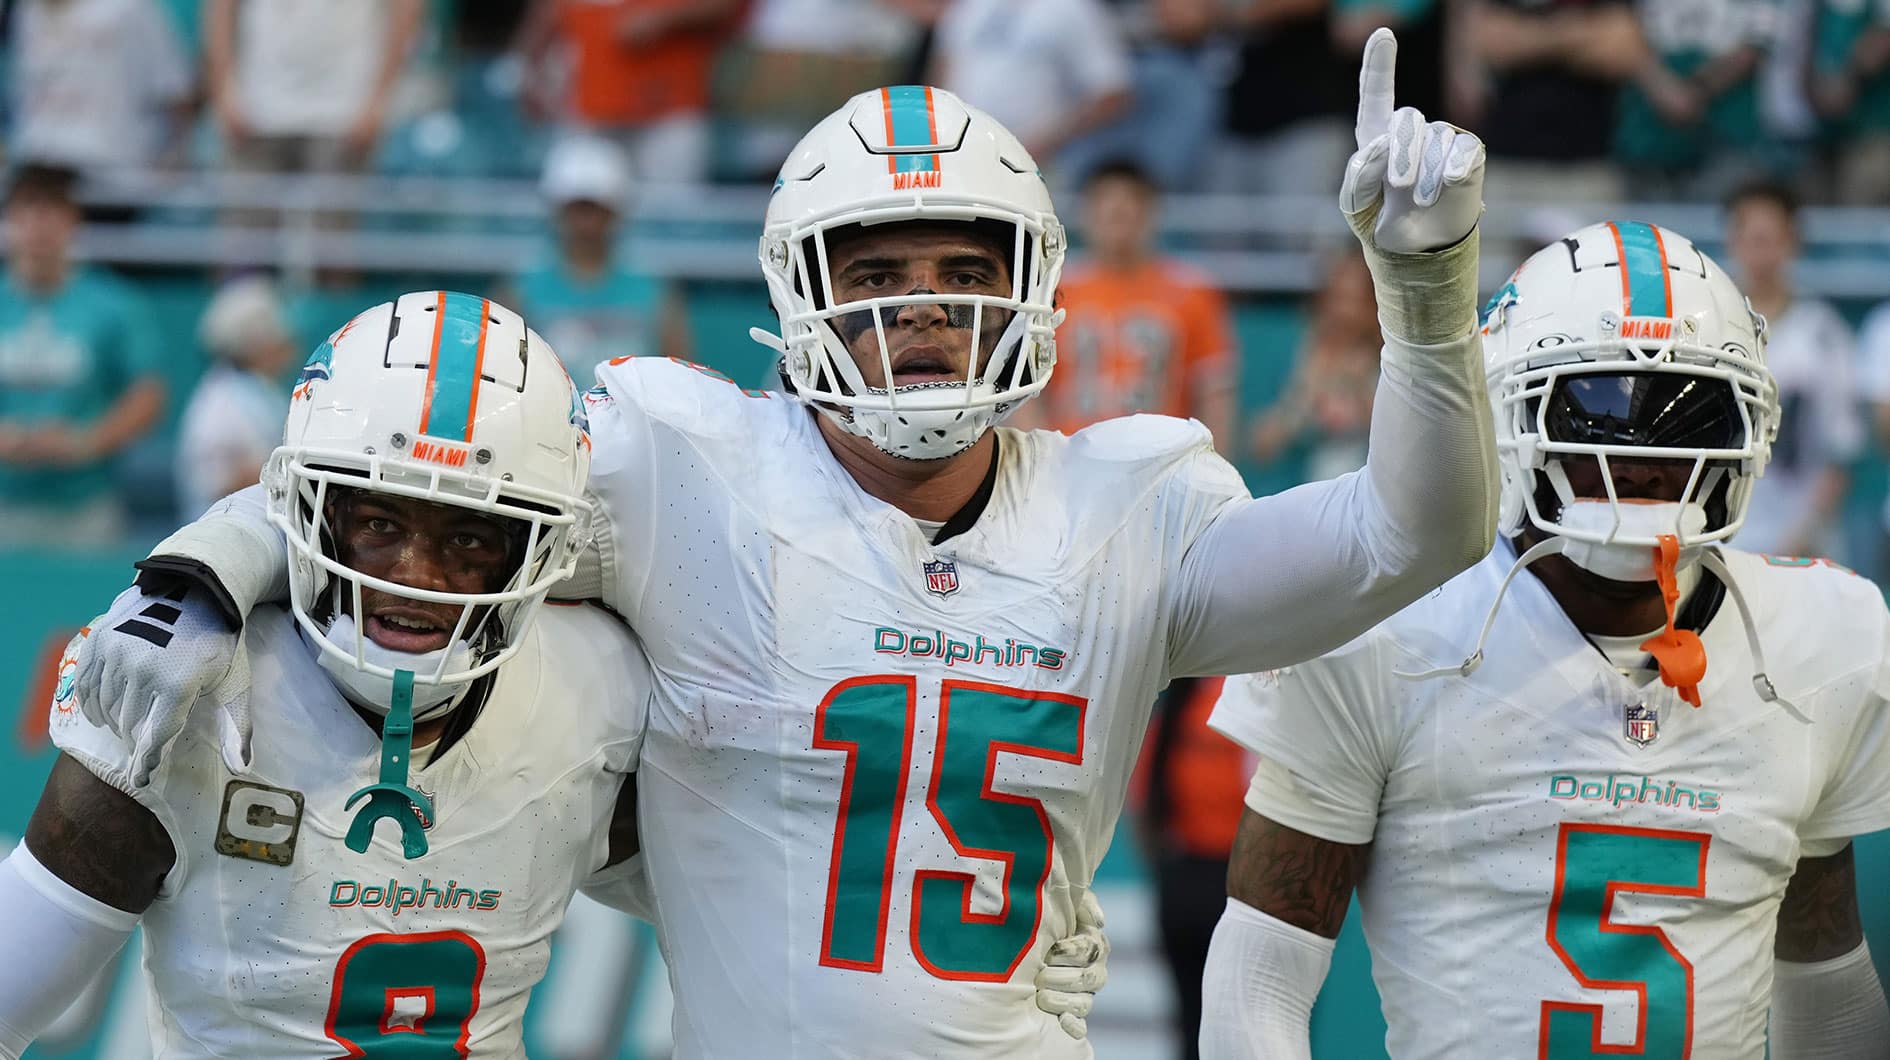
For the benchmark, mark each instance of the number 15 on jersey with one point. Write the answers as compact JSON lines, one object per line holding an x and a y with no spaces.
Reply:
{"x":870,"y":719}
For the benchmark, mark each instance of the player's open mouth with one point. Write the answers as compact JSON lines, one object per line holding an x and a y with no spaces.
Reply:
{"x":926,"y":364}
{"x":408,"y":629}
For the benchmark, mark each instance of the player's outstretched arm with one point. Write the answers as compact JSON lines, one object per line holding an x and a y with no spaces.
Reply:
{"x":1827,"y":1002}
{"x":1279,"y":579}
{"x":1287,"y":893}
{"x":70,"y":895}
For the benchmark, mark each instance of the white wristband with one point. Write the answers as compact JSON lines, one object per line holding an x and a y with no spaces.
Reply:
{"x":1259,"y":985}
{"x":53,"y":941}
{"x":1829,"y":1010}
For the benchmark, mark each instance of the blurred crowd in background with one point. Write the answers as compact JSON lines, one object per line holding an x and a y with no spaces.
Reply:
{"x":198,"y":190}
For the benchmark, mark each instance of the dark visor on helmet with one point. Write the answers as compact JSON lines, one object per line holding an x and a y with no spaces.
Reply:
{"x":1647,"y":409}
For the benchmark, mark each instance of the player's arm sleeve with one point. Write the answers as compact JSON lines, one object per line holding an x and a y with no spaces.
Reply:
{"x":1258,"y":987}
{"x":1272,"y":580}
{"x":54,"y":940}
{"x":1829,"y":1010}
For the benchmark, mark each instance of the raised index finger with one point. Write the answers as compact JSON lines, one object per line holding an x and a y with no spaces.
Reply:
{"x":1376,"y":74}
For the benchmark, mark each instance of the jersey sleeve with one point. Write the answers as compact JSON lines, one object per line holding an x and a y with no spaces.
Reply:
{"x":1324,"y":731}
{"x":106,"y":756}
{"x":660,"y":429}
{"x":1856,"y":796}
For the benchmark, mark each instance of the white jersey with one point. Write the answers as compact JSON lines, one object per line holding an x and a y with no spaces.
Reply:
{"x":892,"y":764}
{"x":270,"y":938}
{"x":1562,"y":860}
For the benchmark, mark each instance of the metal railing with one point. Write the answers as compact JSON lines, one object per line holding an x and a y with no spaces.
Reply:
{"x":1254,"y":246}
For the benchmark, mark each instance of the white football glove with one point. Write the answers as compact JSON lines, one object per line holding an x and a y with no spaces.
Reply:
{"x":149,"y":659}
{"x":1074,"y":968}
{"x":1412,"y":193}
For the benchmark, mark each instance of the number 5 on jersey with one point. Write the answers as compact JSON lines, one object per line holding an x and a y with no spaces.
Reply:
{"x":870,"y":719}
{"x":1594,"y":863}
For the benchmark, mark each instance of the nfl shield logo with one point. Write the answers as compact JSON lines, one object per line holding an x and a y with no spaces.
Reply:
{"x":1643,"y":724}
{"x":941,"y":577}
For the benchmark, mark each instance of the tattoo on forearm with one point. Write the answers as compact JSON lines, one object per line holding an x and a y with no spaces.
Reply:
{"x":98,"y":839}
{"x":1818,"y":919}
{"x":1300,"y":879}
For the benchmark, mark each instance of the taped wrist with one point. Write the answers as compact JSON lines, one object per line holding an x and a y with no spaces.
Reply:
{"x":1423,"y":299}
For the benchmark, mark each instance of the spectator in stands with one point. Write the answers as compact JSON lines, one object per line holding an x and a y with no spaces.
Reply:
{"x":581,"y":296}
{"x":234,"y":418}
{"x":79,"y":374}
{"x":1325,"y":412}
{"x":1873,"y":347}
{"x":1190,"y":789}
{"x":1546,"y":109}
{"x":1174,"y":115}
{"x":1795,"y":506}
{"x":1421,"y":45}
{"x":637,"y":71}
{"x":1851,"y":88}
{"x":798,"y":60}
{"x":1049,"y":70}
{"x":1287,"y":131}
{"x":1690,"y":122}
{"x":96,"y":84}
{"x":1144,"y":333}
{"x":305,"y":85}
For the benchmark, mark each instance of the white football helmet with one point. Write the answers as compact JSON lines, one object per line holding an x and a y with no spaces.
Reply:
{"x":1623,"y":340}
{"x":445,"y":398}
{"x":911,"y":153}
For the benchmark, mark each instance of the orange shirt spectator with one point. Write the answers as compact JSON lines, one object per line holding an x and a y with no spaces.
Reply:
{"x":638,"y":71}
{"x":623,"y":76}
{"x":1191,"y":780}
{"x":1143,"y":333}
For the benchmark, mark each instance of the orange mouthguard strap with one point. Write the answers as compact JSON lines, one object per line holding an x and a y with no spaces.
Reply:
{"x":1681,"y":656}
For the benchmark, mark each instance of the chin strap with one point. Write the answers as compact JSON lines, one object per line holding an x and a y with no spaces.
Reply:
{"x":392,"y":797}
{"x":1679,"y":652}
{"x":1681,"y":656}
{"x":1548,"y":546}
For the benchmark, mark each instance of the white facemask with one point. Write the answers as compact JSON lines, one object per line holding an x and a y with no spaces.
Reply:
{"x":1630,"y":556}
{"x":376,"y":692}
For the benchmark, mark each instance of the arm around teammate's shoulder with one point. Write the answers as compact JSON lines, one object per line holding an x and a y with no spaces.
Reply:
{"x":70,"y":895}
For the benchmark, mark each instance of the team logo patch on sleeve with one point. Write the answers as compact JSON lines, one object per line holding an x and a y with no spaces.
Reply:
{"x":1643,"y":724}
{"x":259,"y":823}
{"x":941,"y":577}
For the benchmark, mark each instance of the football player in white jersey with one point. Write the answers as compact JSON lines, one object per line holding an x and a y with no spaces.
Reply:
{"x":328,"y":897}
{"x":904,"y":657}
{"x":1597,"y":793}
